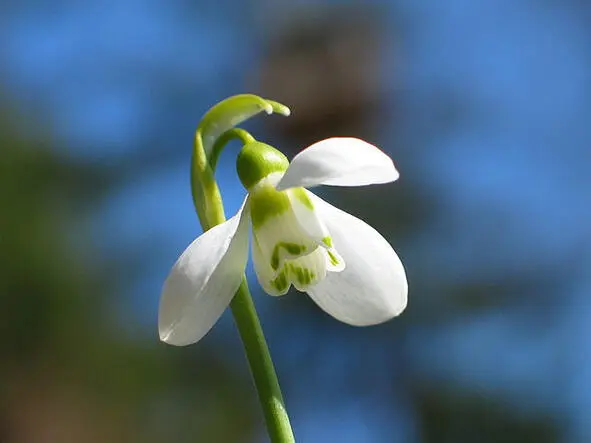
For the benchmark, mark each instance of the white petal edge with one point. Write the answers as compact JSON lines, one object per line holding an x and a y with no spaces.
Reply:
{"x":373,"y":287}
{"x":339,"y":161}
{"x":203,"y":281}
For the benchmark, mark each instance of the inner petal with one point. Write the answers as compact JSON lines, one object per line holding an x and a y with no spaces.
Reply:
{"x":266,"y":276}
{"x":287,"y":248}
{"x":275,"y":227}
{"x":307,"y":270}
{"x":312,"y":224}
{"x":303,"y":272}
{"x":282,"y":239}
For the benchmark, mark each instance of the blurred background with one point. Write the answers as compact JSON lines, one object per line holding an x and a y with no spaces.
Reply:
{"x":485,"y":108}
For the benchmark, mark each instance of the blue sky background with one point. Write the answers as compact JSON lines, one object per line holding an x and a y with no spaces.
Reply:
{"x":496,"y":99}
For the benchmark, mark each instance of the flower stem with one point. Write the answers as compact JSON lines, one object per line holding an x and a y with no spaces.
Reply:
{"x":224,"y":139}
{"x":209,"y":206}
{"x":261,"y":366}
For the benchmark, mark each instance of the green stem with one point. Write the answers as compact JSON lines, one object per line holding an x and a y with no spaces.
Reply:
{"x":223,"y":140}
{"x":209,"y":206}
{"x":261,"y":366}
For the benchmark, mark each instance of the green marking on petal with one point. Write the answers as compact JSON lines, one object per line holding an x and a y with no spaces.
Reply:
{"x":333,"y":258}
{"x":280,"y":283}
{"x":300,"y":194}
{"x":291,"y":248}
{"x":266,"y":203}
{"x":327,"y":241}
{"x":303,"y":276}
{"x":308,"y":276}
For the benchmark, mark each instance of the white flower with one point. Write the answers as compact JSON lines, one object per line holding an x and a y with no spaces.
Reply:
{"x":343,"y":264}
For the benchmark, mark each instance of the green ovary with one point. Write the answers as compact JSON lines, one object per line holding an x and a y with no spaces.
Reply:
{"x":256,"y":161}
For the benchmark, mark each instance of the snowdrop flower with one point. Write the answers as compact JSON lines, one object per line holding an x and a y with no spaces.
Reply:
{"x":298,"y":239}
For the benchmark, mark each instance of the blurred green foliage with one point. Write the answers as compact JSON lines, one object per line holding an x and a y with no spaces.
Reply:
{"x":69,"y":371}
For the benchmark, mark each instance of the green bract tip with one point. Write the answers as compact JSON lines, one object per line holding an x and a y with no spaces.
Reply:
{"x":231,"y":112}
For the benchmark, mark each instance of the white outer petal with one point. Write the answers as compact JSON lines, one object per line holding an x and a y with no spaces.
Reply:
{"x":339,"y":161}
{"x":373,"y":287}
{"x":203,"y":281}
